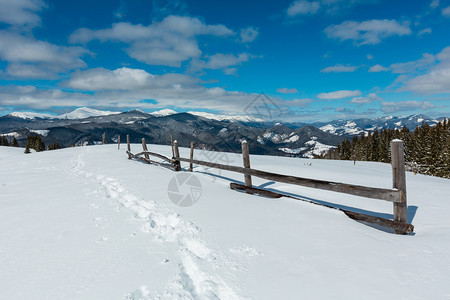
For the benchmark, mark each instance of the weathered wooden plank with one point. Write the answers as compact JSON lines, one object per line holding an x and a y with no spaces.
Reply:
{"x":144,"y":147}
{"x":357,"y":190}
{"x":191,"y":156}
{"x":156,"y":155}
{"x":399,"y":180}
{"x":396,"y":225}
{"x":104,"y":138}
{"x":176,"y":156}
{"x":118,"y":143}
{"x":246,"y":160}
{"x":128,"y":146}
{"x":150,"y":161}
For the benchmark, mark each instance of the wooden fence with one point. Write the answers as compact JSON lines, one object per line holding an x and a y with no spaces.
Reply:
{"x":396,"y":195}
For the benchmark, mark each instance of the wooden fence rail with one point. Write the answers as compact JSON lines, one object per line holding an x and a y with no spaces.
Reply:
{"x":396,"y":195}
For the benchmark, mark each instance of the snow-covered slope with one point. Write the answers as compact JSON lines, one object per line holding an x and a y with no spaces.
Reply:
{"x":87,"y":223}
{"x":243,"y":118}
{"x":163,"y":112}
{"x":86,"y":112}
{"x":31,"y":115}
{"x":79,"y":113}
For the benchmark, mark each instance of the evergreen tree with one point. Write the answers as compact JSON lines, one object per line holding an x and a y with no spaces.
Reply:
{"x":14,"y":143}
{"x":53,"y":146}
{"x":3,"y":141}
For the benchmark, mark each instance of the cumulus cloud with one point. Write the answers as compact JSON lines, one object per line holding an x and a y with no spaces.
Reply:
{"x":21,"y":12}
{"x":249,"y":34}
{"x":378,"y":68}
{"x":302,"y":7}
{"x":287,"y":91}
{"x":424,"y":31}
{"x":339,"y":68}
{"x":367,"y":32}
{"x":169,"y":42}
{"x":364,"y":100}
{"x":392,"y":107}
{"x":127,"y":79}
{"x":425,"y":62}
{"x":220,"y":61}
{"x":28,"y":57}
{"x":339,"y":94}
{"x":434,"y":3}
{"x":446,"y":11}
{"x":436,"y":77}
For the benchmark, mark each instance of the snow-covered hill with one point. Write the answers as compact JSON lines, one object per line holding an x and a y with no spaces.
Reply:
{"x":79,"y":113}
{"x":87,"y":223}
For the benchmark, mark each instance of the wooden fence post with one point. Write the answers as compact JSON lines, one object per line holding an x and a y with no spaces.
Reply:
{"x":171,"y":145}
{"x":246,"y":159}
{"x":399,"y":181}
{"x":144,"y":147}
{"x":191,"y":156}
{"x":176,"y":155}
{"x":128,"y":146}
{"x":104,"y":138}
{"x":118,"y":143}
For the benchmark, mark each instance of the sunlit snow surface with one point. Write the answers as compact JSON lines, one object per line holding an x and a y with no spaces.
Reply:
{"x":87,"y":223}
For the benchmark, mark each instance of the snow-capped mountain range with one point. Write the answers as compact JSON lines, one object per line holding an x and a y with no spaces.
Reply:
{"x":79,"y":113}
{"x":209,"y":131}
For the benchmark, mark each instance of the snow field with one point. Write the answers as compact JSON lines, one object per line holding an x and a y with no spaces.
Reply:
{"x":87,"y":223}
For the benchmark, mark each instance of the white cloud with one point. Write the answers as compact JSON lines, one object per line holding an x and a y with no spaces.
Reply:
{"x":364,"y":100}
{"x":169,"y":42}
{"x":339,"y":69}
{"x":339,"y":94}
{"x":392,"y":107}
{"x":369,"y":56}
{"x":287,"y":91}
{"x":378,"y":68}
{"x":425,"y":62}
{"x":298,"y":102}
{"x":219,"y":61}
{"x":127,"y":79}
{"x":28,"y":57}
{"x":424,"y":31}
{"x":436,"y":78}
{"x":302,"y":7}
{"x":21,"y":12}
{"x":434,"y":3}
{"x":367,"y":32}
{"x":446,"y":11}
{"x":249,"y":34}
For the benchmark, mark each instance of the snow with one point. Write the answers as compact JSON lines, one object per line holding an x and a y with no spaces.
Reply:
{"x":86,"y":112}
{"x":163,"y":112}
{"x":79,"y":113}
{"x":41,"y":132}
{"x":31,"y":115}
{"x":349,"y":128}
{"x":87,"y":223}
{"x":243,"y":118}
{"x":292,"y":139}
{"x":12,"y":134}
{"x":292,"y":151}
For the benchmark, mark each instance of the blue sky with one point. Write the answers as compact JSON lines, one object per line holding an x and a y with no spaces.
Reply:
{"x":315,"y":60}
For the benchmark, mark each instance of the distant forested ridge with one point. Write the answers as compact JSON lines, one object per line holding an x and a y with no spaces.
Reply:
{"x":427,"y":148}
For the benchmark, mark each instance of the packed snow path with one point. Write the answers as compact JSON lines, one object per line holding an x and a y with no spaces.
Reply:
{"x":87,"y":223}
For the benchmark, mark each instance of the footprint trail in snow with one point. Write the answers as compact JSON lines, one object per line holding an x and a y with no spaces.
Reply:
{"x":195,"y":278}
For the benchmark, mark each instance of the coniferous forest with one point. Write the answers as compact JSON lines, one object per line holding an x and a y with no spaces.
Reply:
{"x":427,"y":148}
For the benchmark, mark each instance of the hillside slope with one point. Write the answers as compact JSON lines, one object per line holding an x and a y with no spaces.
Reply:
{"x":87,"y":223}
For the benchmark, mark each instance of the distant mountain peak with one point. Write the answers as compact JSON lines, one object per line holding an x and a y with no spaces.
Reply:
{"x":163,"y":112}
{"x":86,"y":112}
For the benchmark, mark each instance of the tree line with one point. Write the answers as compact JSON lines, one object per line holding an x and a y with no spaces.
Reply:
{"x":427,"y":148}
{"x":33,"y":142}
